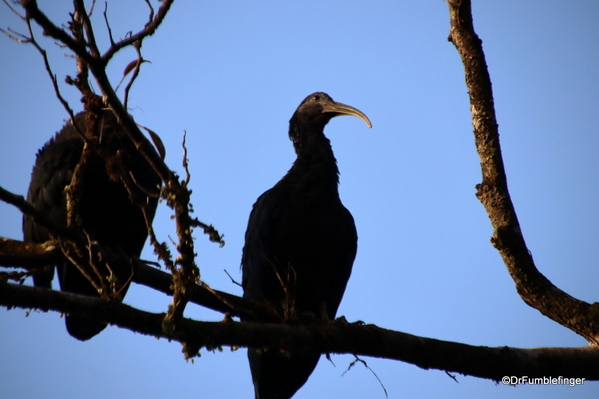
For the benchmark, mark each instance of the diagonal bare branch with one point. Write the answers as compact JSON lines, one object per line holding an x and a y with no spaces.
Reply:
{"x":28,"y":256}
{"x":534,"y":288}
{"x":153,"y":23}
{"x":27,"y":209}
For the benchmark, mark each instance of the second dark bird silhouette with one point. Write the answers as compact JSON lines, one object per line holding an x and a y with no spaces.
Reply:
{"x":106,"y":210}
{"x":300,"y":244}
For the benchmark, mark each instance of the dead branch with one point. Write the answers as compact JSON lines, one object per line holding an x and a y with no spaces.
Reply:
{"x":28,"y":256}
{"x":534,"y":288}
{"x":136,"y":69}
{"x":177,"y":195}
{"x":29,"y":211}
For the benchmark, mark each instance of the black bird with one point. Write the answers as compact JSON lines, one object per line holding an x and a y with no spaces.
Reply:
{"x":107,"y":213}
{"x":300,"y":244}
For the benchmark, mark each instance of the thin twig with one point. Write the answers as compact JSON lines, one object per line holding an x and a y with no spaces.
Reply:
{"x":232,"y":279}
{"x":149,"y":29}
{"x":452,"y":376}
{"x":89,"y":30}
{"x":160,"y":248}
{"x":369,"y":369}
{"x":185,"y":160}
{"x":91,"y":9}
{"x":13,"y":10}
{"x":108,"y":24}
{"x":92,"y":263}
{"x":151,"y":17}
{"x":213,"y":234}
{"x":140,"y":60}
{"x":81,"y":269}
{"x":13,"y":36}
{"x":52,"y":76}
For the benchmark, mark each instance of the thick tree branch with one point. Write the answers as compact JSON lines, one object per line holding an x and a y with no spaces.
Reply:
{"x":28,"y":210}
{"x":33,"y":12}
{"x":329,"y":337}
{"x":28,"y":256}
{"x":534,"y":288}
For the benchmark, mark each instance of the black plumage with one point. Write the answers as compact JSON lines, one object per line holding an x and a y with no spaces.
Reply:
{"x":300,"y":244}
{"x":107,"y":213}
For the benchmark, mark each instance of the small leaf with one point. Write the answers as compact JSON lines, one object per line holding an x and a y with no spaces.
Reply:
{"x":131,"y":66}
{"x":156,"y":140}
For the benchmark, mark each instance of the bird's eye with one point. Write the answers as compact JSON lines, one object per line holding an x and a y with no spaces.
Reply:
{"x":316,"y":98}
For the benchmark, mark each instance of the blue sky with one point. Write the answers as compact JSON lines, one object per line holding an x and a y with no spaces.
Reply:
{"x":231,"y":74}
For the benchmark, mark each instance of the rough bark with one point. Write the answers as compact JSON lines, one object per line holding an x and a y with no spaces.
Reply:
{"x":532,"y":286}
{"x":323,"y":337}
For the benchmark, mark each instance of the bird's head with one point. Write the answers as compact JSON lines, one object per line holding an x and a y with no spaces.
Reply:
{"x":315,"y":112}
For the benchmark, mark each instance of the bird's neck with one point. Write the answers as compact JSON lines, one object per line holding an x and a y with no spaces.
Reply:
{"x":315,"y":166}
